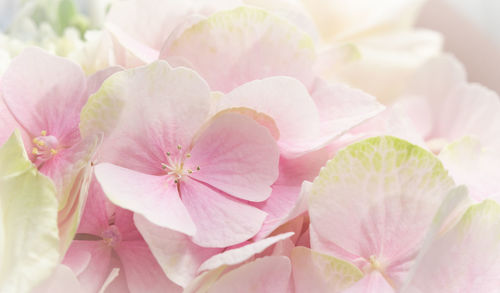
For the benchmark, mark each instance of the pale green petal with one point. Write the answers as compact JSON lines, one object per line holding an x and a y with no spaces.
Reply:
{"x":14,"y":159}
{"x":28,"y":207}
{"x":317,"y":272}
{"x":374,"y":201}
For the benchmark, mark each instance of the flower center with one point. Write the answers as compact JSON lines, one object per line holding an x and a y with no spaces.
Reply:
{"x":45,"y":146}
{"x":175,"y":167}
{"x":111,"y":236}
{"x":375,"y":265}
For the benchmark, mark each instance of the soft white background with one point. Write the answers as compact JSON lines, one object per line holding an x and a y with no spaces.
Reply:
{"x":484,"y":13}
{"x":471,"y":30}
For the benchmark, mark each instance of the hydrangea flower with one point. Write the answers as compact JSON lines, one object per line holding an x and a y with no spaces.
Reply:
{"x":42,"y":96}
{"x":176,"y":165}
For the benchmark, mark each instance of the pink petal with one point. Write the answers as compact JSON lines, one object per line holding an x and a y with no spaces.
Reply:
{"x":464,"y":257}
{"x":239,"y":255}
{"x":342,"y":107}
{"x":374,"y":282}
{"x":179,"y":257}
{"x":235,"y":46}
{"x":470,"y":110}
{"x":284,"y":99}
{"x":95,"y":218}
{"x":220,"y":220}
{"x":280,"y":204}
{"x":63,"y":280}
{"x":143,"y":53}
{"x":259,"y":117}
{"x":475,"y":164}
{"x":236,"y":155}
{"x":93,"y":276}
{"x":99,"y":211}
{"x":286,"y":194}
{"x":265,"y":275}
{"x":142,"y":271}
{"x":117,"y":284}
{"x":45,"y":92}
{"x":147,"y":195}
{"x":78,"y":259}
{"x":141,"y":128}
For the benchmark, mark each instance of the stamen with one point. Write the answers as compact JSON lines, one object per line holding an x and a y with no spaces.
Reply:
{"x":170,"y":162}
{"x":175,"y":166}
{"x":198,"y":168}
{"x":375,"y":263}
{"x":45,"y":146}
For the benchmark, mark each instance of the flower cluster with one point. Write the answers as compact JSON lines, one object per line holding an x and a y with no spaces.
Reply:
{"x":244,"y":146}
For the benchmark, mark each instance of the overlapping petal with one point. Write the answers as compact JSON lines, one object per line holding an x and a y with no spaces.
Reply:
{"x":220,"y":219}
{"x":138,"y":133}
{"x":147,"y":195}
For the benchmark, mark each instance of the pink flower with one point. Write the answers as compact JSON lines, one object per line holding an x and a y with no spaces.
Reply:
{"x":43,"y":96}
{"x":107,"y":239}
{"x":176,"y":165}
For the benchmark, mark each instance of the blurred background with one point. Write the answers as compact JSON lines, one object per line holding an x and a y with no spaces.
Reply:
{"x":472,"y":34}
{"x":471,"y":29}
{"x":484,"y":13}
